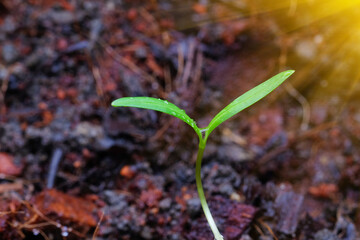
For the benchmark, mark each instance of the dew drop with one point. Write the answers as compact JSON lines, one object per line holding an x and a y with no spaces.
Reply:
{"x":36,"y":231}
{"x":64,"y":231}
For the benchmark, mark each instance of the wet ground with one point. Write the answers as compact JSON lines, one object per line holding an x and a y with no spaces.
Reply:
{"x":72,"y":167}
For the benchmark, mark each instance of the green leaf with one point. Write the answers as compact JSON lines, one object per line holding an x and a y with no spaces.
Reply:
{"x":247,"y":99}
{"x":157,"y":105}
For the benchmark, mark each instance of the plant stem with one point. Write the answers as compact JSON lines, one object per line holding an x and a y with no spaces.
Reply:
{"x":200,"y":189}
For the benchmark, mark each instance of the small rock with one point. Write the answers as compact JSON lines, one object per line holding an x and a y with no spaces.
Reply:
{"x":226,"y":188}
{"x":165,"y":204}
{"x":11,"y":136}
{"x":115,"y":198}
{"x":132,"y":85}
{"x":233,"y":153}
{"x":146,"y":233}
{"x":62,"y":17}
{"x":106,"y":143}
{"x":44,"y":134}
{"x":9,"y":24}
{"x":123,"y":225}
{"x":193,"y":206}
{"x":87,"y":133}
{"x":236,"y":197}
{"x":325,"y":234}
{"x":175,"y":236}
{"x":151,"y":197}
{"x":245,"y":237}
{"x":9,"y":53}
{"x":141,"y":52}
{"x":3,"y":72}
{"x":7,"y":165}
{"x":288,"y":205}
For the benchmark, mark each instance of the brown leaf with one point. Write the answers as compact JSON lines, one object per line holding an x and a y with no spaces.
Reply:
{"x":68,"y":208}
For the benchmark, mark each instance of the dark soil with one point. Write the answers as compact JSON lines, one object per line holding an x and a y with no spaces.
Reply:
{"x":72,"y":167}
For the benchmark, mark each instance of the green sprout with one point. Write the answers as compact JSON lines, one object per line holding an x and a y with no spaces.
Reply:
{"x":239,"y":104}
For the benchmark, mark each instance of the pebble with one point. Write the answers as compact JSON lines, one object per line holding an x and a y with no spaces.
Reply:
{"x":62,"y":17}
{"x":226,"y":188}
{"x":325,"y":234}
{"x":86,"y":133}
{"x":165,"y":204}
{"x":9,"y":24}
{"x":123,"y":225}
{"x":7,"y":165}
{"x":3,"y":72}
{"x":44,"y":134}
{"x":146,"y":233}
{"x":233,"y":153}
{"x":9,"y":53}
{"x":132,"y":85}
{"x":193,"y":206}
{"x":141,"y":53}
{"x":175,"y":236}
{"x":115,"y":198}
{"x":245,"y":237}
{"x":11,"y":136}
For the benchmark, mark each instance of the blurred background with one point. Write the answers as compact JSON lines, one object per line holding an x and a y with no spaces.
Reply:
{"x":72,"y":167}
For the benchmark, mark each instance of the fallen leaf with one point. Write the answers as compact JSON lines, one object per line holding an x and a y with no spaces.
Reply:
{"x":66,"y":207}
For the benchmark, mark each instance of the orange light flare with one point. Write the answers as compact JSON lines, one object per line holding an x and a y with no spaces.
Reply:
{"x":322,"y":42}
{"x":320,"y":37}
{"x":325,"y":47}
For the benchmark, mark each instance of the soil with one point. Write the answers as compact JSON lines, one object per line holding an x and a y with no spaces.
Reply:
{"x":72,"y":167}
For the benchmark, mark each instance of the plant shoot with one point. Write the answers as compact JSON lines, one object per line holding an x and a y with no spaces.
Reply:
{"x":239,"y":104}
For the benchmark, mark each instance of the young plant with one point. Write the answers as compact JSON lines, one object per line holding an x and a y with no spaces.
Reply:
{"x":239,"y":104}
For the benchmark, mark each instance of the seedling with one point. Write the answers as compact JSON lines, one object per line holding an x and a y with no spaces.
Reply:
{"x":239,"y":104}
